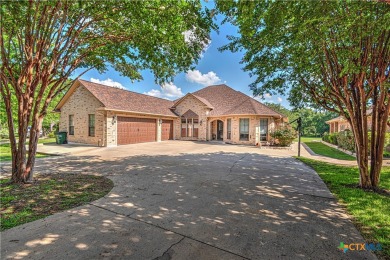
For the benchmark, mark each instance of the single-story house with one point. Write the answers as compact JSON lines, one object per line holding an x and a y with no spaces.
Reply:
{"x":96,"y":114}
{"x":339,"y":123}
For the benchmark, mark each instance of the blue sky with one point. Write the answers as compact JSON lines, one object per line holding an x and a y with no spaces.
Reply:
{"x":215,"y":67}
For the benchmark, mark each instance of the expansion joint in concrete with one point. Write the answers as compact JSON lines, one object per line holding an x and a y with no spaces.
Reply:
{"x":172,"y":231}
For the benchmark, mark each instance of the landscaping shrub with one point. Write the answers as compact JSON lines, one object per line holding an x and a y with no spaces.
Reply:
{"x":285,"y":136}
{"x":325,"y":137}
{"x":346,"y":140}
{"x":333,"y":138}
{"x":330,"y":138}
{"x":4,"y":134}
{"x":51,"y":134}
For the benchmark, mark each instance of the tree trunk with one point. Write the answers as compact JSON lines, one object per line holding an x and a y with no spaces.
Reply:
{"x":362,"y":160}
{"x":358,"y":122}
{"x":381,"y":116}
{"x":34,"y":137}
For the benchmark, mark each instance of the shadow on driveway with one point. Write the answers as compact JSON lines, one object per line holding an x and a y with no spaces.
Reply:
{"x":192,"y":206}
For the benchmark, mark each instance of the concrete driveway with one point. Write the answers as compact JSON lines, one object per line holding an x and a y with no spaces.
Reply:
{"x":186,"y":200}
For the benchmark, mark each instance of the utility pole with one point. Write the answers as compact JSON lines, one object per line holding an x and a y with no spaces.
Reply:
{"x":299,"y":121}
{"x":299,"y":128}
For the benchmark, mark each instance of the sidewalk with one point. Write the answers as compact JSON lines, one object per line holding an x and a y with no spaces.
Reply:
{"x":64,"y":149}
{"x":308,"y":153}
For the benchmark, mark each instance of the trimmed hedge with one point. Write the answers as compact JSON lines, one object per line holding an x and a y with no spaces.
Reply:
{"x":346,"y":140}
{"x":330,"y":138}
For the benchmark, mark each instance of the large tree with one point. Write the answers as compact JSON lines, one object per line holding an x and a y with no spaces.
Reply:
{"x":44,"y":43}
{"x":335,"y":54}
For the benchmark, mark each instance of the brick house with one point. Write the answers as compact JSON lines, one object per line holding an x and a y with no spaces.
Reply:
{"x":96,"y":114}
{"x":339,"y":123}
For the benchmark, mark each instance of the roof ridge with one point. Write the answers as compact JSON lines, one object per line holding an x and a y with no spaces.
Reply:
{"x":244,"y":101}
{"x":125,"y":90}
{"x":254,"y":100}
{"x":251,"y":101}
{"x":268,"y":107}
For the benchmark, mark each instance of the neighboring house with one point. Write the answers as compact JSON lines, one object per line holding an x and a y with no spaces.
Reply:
{"x":339,"y":123}
{"x":96,"y":114}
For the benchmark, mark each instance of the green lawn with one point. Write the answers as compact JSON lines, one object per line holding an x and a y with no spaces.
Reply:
{"x":371,"y":211}
{"x":322,"y":149}
{"x":48,"y":194}
{"x":309,"y":139}
{"x":5,"y":150}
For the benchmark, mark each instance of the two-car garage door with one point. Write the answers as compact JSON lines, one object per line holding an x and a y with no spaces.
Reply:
{"x":133,"y":130}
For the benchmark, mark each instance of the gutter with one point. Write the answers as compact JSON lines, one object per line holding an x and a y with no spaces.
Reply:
{"x":136,"y":112}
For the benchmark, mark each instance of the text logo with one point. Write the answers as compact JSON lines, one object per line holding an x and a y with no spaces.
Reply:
{"x":359,"y":247}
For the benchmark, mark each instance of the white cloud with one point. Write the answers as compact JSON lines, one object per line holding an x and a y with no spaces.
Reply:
{"x":190,"y":37}
{"x":280,"y":99}
{"x":168,"y":91}
{"x":196,"y":76}
{"x":267,"y":96}
{"x":108,"y":82}
{"x":264,"y":99}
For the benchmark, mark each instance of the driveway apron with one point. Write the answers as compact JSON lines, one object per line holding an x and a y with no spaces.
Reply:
{"x":210,"y":202}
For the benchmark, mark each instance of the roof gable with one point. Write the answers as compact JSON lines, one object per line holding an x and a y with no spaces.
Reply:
{"x":76,"y":84}
{"x":221,"y":99}
{"x":190,"y":114}
{"x":227,"y":101}
{"x":200,"y":99}
{"x":123,"y":100}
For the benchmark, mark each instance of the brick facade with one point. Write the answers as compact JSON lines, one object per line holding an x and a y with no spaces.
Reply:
{"x":80,"y":104}
{"x":191,"y":103}
{"x":81,"y":101}
{"x":112,"y":124}
{"x":208,"y":127}
{"x":254,"y":128}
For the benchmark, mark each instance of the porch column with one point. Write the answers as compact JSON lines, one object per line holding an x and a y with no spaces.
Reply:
{"x":192,"y":126}
{"x":186,"y":127}
{"x":209,"y":130}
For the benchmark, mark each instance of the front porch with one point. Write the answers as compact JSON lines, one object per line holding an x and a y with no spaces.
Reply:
{"x":241,"y":130}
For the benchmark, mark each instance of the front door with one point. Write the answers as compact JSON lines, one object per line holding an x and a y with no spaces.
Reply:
{"x":219,"y":130}
{"x":263,"y":129}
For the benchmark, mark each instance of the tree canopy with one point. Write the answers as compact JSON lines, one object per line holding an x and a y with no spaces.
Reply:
{"x":313,"y":120}
{"x":44,"y":43}
{"x":288,"y":46}
{"x":332,"y":54}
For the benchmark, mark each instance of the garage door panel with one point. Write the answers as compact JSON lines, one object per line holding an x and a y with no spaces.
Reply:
{"x":167,"y":130}
{"x":133,"y":130}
